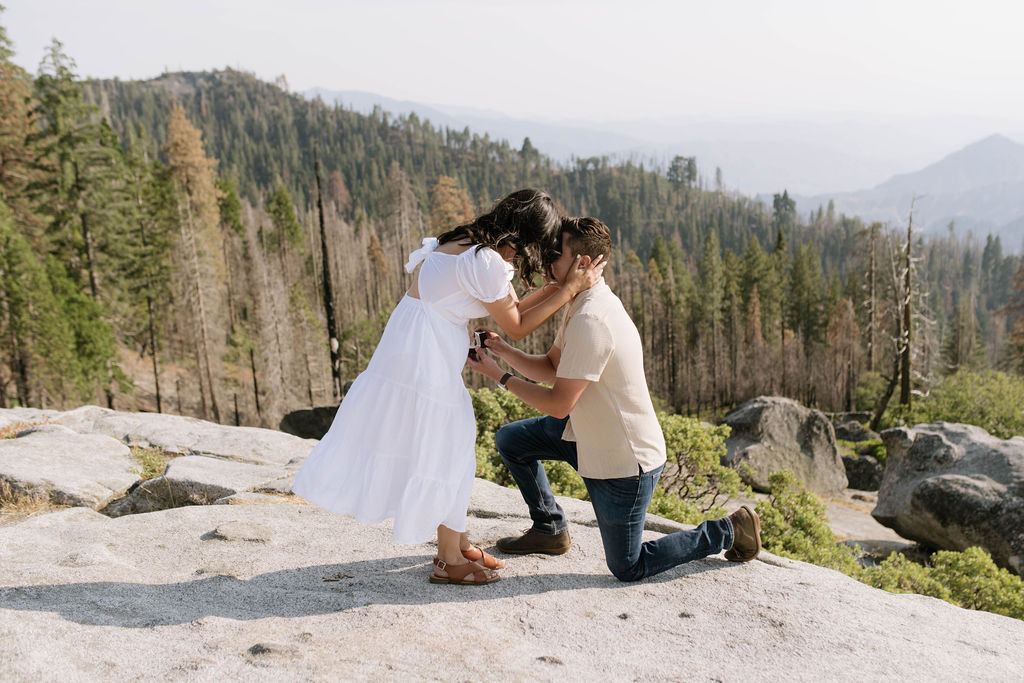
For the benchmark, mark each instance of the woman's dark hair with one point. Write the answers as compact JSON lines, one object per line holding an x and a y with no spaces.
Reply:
{"x":526,"y":219}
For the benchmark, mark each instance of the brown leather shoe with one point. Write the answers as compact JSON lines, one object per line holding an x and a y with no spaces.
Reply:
{"x":746,"y":544}
{"x":536,"y":542}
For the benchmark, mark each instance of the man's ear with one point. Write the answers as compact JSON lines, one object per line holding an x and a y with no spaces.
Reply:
{"x":585,"y":261}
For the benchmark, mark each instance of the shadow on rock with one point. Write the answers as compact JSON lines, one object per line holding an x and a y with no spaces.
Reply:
{"x":299,"y":592}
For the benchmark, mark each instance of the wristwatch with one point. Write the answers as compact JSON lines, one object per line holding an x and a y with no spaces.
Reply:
{"x":504,"y":378}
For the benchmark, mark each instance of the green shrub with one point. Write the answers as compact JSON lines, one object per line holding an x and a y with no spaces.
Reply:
{"x":868,"y":391}
{"x":847,"y":448}
{"x":873,"y":447}
{"x":969,"y":579}
{"x":991,"y":400}
{"x":975,"y":582}
{"x":794,"y":524}
{"x":495,"y":409}
{"x":565,"y":481}
{"x":673,"y":507}
{"x":897,"y":574}
{"x":694,"y":472}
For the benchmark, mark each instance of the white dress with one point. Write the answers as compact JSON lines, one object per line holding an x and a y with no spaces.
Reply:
{"x":402,"y":442}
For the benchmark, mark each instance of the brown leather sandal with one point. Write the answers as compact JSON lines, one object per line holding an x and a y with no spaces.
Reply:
{"x":477,"y":554}
{"x":459,"y":574}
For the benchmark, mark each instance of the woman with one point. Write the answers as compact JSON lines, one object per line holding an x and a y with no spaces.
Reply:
{"x":402,"y":442}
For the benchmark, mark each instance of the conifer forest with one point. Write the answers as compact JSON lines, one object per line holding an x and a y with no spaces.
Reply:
{"x":213,"y":245}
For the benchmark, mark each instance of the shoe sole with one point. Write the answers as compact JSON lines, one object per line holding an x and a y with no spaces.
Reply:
{"x":757,"y":536}
{"x":444,"y":580}
{"x":559,"y":551}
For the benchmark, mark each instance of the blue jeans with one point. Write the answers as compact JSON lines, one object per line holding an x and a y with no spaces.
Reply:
{"x":620,"y":504}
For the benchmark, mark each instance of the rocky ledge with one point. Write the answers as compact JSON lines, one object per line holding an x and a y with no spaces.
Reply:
{"x":271,"y":588}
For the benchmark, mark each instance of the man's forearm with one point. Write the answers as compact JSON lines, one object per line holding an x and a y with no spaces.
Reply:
{"x":536,"y":367}
{"x":540,"y":397}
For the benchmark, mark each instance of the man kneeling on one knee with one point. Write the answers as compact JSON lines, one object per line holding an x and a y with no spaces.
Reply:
{"x":599,"y":419}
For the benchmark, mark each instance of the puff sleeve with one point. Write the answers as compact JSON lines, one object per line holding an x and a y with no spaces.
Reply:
{"x":484,"y":275}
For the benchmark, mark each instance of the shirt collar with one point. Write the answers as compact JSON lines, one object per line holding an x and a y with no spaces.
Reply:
{"x":588,"y":294}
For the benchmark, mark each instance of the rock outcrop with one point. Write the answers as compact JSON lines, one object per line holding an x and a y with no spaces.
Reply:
{"x":189,"y":436}
{"x":194,"y":480}
{"x":770,"y":433}
{"x":854,"y":431}
{"x":81,"y":457}
{"x":51,"y":461}
{"x":863,"y":472}
{"x":953,"y":486}
{"x":311,"y":423}
{"x":289,"y":591}
{"x":265,"y":587}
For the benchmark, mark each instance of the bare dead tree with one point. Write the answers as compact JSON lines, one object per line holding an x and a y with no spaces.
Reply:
{"x":905,"y":356}
{"x":328,"y":290}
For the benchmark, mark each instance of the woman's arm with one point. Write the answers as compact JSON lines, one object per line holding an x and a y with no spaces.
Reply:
{"x":538,"y":295}
{"x":517,"y":321}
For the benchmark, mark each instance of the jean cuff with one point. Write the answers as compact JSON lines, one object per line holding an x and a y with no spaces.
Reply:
{"x":730,"y":536}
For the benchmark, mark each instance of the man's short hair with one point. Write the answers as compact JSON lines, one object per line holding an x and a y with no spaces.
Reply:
{"x":588,"y":235}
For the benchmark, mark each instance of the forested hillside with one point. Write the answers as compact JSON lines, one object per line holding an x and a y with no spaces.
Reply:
{"x":165,"y":247}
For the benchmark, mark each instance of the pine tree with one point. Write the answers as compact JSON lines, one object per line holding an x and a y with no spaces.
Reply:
{"x":198,"y":217}
{"x":147,"y":252}
{"x":18,"y":170}
{"x":712,"y":294}
{"x":287,"y":230}
{"x":962,"y":346}
{"x":84,"y":175}
{"x":805,"y":300}
{"x":450,"y":205}
{"x":37,"y":347}
{"x":1015,"y":310}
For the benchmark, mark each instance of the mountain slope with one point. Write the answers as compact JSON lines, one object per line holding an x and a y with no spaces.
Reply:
{"x":979,"y":188}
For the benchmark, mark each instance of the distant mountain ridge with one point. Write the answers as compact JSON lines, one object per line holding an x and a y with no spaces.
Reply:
{"x":978,"y":188}
{"x":558,"y":141}
{"x":807,"y":155}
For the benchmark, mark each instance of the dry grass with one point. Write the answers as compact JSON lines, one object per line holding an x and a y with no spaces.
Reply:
{"x":16,"y":504}
{"x":11,"y":431}
{"x":153,"y":461}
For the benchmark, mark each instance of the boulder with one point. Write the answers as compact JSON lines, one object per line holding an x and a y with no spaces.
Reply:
{"x":192,"y":480}
{"x":16,"y":416}
{"x":770,"y":433}
{"x":87,"y":470}
{"x":862,"y":417}
{"x":863,"y":472}
{"x":953,"y":486}
{"x":855,"y":432}
{"x":311,"y":423}
{"x":292,"y":592}
{"x":190,"y":436}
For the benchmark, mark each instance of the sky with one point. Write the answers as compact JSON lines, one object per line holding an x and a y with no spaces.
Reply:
{"x":560,"y":60}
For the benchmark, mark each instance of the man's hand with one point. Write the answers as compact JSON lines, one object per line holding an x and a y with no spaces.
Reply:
{"x":494,"y":342}
{"x":485,"y":364}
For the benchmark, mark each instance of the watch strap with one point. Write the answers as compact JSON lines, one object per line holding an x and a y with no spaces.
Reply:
{"x":505,"y":378}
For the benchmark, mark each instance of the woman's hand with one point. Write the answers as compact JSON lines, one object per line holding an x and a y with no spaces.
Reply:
{"x":484,"y":364}
{"x":579,"y":279}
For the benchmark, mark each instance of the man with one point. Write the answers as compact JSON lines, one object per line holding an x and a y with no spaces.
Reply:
{"x":600,"y":420}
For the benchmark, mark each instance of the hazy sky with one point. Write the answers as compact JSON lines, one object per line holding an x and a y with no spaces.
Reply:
{"x":571,"y":59}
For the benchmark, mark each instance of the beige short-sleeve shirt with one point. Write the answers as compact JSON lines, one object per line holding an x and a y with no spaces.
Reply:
{"x":613,"y":424}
